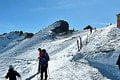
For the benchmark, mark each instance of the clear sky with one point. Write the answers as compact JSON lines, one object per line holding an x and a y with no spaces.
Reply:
{"x":33,"y":15}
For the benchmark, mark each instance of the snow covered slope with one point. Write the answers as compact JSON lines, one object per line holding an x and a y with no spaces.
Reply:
{"x":95,"y":61}
{"x":10,"y":40}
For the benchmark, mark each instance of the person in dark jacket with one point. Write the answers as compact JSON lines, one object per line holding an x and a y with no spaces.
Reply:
{"x":118,"y":62}
{"x":12,"y":73}
{"x":44,"y":63}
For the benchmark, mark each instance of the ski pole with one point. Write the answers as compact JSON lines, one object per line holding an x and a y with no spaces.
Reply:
{"x":38,"y":74}
{"x":48,"y":73}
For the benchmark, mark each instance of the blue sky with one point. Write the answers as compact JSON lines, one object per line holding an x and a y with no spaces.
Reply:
{"x":33,"y":15}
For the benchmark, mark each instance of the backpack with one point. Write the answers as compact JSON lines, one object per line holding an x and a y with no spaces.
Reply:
{"x":44,"y":60}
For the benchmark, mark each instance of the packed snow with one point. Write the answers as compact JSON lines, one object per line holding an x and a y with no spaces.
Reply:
{"x":95,"y":61}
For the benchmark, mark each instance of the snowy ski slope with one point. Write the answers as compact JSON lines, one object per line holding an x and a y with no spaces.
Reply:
{"x":95,"y":61}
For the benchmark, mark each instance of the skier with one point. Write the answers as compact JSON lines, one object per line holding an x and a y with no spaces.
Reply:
{"x":12,"y":73}
{"x":40,"y":55}
{"x":118,"y":62}
{"x":44,"y":63}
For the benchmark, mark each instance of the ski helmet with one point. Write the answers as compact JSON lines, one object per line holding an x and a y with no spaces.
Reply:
{"x":11,"y":67}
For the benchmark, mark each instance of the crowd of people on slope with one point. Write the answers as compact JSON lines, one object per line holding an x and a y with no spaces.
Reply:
{"x":42,"y":68}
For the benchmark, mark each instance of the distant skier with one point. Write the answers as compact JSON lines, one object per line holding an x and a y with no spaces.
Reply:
{"x":118,"y":62}
{"x":44,"y":58}
{"x":12,"y":73}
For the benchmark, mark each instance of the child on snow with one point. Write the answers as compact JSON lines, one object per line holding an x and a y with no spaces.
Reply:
{"x":12,"y":73}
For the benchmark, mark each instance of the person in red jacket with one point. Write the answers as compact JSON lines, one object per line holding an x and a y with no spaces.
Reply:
{"x":40,"y":56}
{"x":12,"y":73}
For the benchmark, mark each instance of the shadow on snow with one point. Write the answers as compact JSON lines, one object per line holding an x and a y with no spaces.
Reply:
{"x":109,"y":71}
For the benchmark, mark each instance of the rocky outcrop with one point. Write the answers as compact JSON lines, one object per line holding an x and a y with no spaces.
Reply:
{"x":60,"y":26}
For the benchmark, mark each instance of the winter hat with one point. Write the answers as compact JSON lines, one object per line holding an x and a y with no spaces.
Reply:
{"x":44,"y":51}
{"x":11,"y":67}
{"x":39,"y":49}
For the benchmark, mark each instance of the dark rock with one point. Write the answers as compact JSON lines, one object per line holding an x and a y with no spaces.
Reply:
{"x":88,"y":27}
{"x":28,"y":35}
{"x":21,"y":33}
{"x":62,"y":26}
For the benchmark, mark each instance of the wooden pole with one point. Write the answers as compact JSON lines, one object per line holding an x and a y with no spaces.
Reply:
{"x":78,"y":45}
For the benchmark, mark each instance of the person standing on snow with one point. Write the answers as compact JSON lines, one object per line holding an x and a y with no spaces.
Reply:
{"x":118,"y":62}
{"x":12,"y":73}
{"x":44,"y":58}
{"x":40,"y":55}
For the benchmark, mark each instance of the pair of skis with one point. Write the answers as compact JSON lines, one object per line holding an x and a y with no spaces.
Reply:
{"x":31,"y":77}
